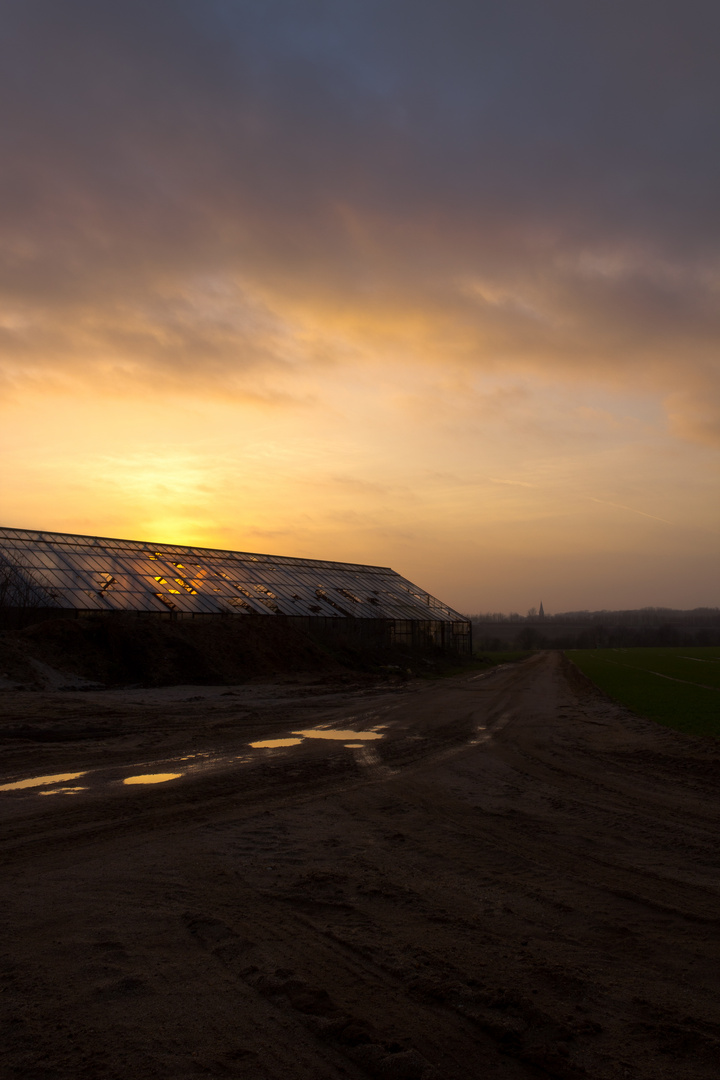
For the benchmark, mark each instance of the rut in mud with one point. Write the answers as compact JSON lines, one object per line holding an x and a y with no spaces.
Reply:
{"x":514,"y":878}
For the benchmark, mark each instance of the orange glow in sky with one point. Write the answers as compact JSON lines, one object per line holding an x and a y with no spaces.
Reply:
{"x":384,"y":304}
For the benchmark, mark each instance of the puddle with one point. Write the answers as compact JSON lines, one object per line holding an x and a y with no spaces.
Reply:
{"x":320,"y":733}
{"x":59,"y":783}
{"x":152,"y":778}
{"x":269,"y":743}
{"x":41,"y":781}
{"x":341,"y":736}
{"x":62,"y":791}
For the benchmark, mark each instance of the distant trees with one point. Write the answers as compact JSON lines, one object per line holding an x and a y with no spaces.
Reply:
{"x":649,"y":627}
{"x":648,"y":616}
{"x":531,"y":638}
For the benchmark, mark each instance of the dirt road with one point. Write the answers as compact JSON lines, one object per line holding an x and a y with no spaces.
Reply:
{"x":499,"y":876}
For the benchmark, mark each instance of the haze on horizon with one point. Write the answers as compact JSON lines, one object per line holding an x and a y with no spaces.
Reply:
{"x":425,"y":285}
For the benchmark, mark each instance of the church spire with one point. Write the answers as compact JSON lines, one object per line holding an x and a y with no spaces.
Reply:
{"x":541,"y":612}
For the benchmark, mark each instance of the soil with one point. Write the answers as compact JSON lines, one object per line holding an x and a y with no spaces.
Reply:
{"x":518,"y":879}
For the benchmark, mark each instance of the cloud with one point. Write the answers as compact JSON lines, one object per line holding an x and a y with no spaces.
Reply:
{"x":229,"y":199}
{"x":511,"y":483}
{"x":694,"y":412}
{"x":631,"y":509}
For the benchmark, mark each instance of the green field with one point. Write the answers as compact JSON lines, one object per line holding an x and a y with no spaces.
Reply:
{"x":679,"y":687}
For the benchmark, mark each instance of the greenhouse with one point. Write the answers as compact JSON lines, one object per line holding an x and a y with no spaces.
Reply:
{"x":44,"y":574}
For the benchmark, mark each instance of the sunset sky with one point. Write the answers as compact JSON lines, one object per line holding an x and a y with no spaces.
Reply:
{"x":421,"y":284}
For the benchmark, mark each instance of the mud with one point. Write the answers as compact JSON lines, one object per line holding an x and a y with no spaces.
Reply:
{"x":516,"y":878}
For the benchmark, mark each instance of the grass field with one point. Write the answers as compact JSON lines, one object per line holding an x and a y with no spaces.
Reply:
{"x":679,"y":687}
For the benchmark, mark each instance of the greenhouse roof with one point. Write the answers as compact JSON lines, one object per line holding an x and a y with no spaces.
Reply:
{"x":95,"y":574}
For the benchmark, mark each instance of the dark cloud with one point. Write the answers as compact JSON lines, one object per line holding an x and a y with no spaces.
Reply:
{"x":182,"y":180}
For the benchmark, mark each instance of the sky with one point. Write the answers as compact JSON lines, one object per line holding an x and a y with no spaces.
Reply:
{"x":425,"y":285}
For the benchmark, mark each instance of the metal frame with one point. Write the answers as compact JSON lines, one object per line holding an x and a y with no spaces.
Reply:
{"x":91,"y":574}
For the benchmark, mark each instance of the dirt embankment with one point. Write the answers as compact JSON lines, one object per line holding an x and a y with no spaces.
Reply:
{"x":122,"y":650}
{"x":518,"y":880}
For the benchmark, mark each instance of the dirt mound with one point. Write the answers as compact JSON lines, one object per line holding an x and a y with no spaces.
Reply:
{"x":127,"y":649}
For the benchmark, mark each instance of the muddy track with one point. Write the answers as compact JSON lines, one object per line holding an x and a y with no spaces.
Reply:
{"x":519,"y":879}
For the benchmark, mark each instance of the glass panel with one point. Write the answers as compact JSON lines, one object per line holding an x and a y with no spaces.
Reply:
{"x":122,"y":573}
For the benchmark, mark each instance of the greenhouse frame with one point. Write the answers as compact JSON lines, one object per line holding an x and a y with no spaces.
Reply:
{"x":48,"y":574}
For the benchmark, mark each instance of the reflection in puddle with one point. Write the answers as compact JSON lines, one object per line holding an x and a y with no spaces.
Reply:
{"x":59,"y":783}
{"x":342,"y":736}
{"x":41,"y":781}
{"x":265,"y":743}
{"x":152,"y":778}
{"x":62,"y":791}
